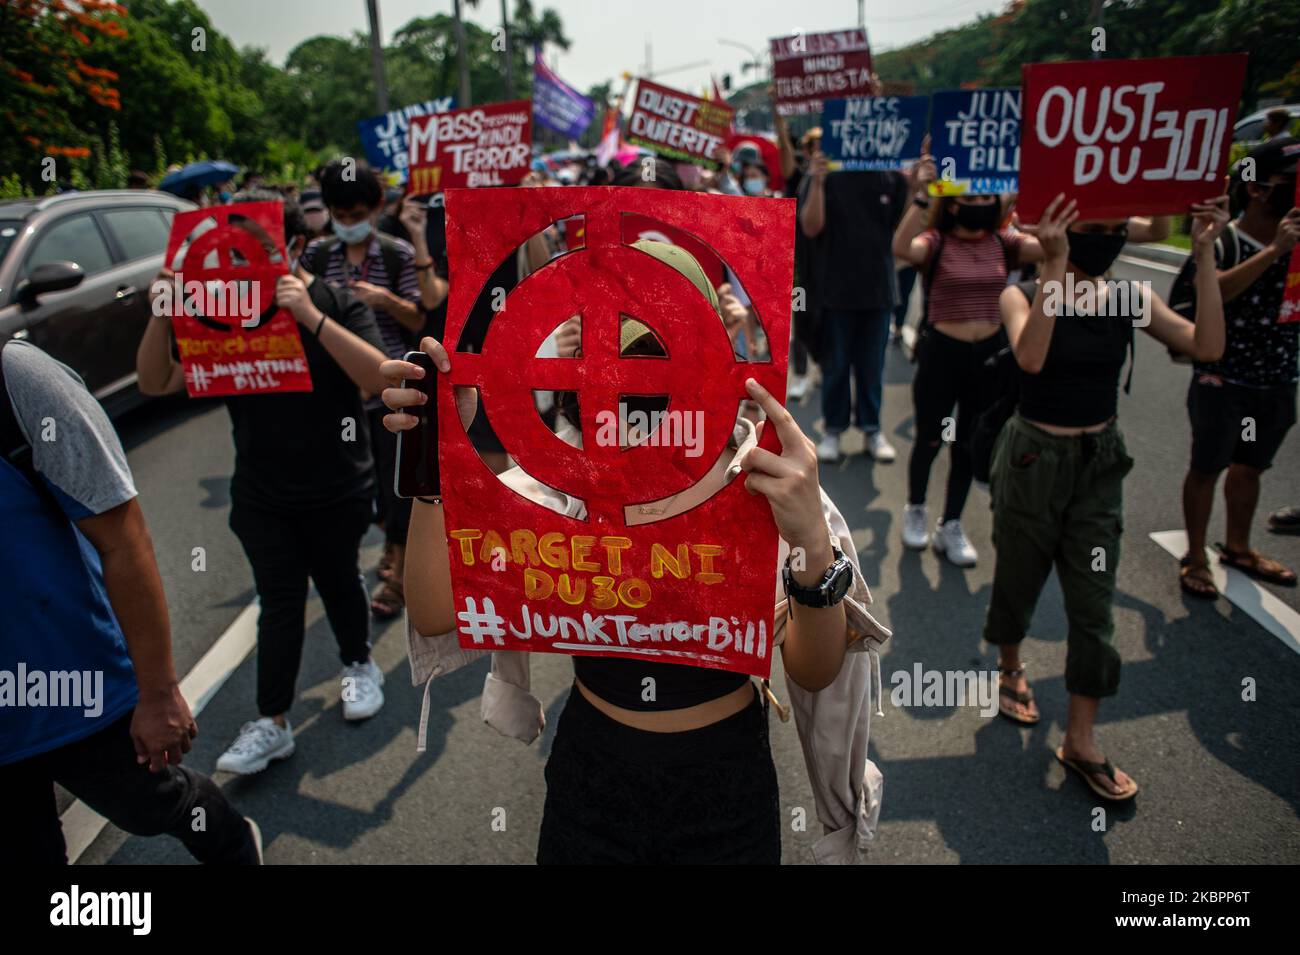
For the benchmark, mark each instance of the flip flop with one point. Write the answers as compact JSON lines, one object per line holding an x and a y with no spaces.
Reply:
{"x":1190,"y":575}
{"x":1251,"y":563}
{"x":1087,"y":770}
{"x":1024,"y":699}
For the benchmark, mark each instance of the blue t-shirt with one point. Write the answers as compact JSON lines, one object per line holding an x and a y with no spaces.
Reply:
{"x":64,"y":668}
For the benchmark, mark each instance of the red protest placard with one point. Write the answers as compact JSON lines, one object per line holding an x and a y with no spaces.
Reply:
{"x":232,"y":338}
{"x":678,"y":125}
{"x":810,"y":67}
{"x":1290,"y":311}
{"x":479,"y":146}
{"x":1127,"y":137}
{"x":695,"y":586}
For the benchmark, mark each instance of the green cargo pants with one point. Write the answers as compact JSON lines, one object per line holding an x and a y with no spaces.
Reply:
{"x":1059,"y":500}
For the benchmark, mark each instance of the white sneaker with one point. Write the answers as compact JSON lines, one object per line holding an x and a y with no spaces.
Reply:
{"x":950,"y":540}
{"x":799,"y":387}
{"x":361,"y":693}
{"x":878,"y":447}
{"x":828,"y":448}
{"x":257,"y":744}
{"x":915,"y":534}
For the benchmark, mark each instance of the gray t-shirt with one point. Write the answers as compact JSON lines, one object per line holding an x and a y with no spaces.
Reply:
{"x":73,"y":443}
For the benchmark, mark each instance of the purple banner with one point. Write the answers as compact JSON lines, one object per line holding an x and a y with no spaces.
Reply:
{"x":557,"y":105}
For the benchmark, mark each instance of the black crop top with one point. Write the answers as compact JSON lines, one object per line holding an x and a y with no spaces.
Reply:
{"x":620,"y":681}
{"x":1079,"y":382}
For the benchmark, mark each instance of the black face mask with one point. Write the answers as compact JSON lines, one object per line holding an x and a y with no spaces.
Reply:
{"x":1281,"y":197}
{"x":1095,"y":252}
{"x":978,"y":217}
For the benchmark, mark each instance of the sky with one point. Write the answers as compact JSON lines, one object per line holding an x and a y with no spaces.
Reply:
{"x":610,"y":36}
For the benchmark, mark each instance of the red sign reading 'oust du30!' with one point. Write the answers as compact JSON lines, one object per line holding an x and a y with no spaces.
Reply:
{"x":654,"y":550}
{"x":679,"y":125}
{"x":1127,"y":137}
{"x":479,"y":146}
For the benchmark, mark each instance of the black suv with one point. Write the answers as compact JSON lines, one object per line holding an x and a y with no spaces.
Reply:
{"x":74,"y":279}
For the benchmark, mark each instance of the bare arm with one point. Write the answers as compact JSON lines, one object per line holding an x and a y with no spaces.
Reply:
{"x":784,"y":145}
{"x":427,"y":580}
{"x":1234,"y":281}
{"x":816,"y":637}
{"x":1205,"y":340}
{"x":812,"y":217}
{"x":162,"y":726}
{"x":1030,"y":326}
{"x":157,"y":372}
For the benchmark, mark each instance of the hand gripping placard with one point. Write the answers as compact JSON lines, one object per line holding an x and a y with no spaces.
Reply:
{"x":694,"y":588}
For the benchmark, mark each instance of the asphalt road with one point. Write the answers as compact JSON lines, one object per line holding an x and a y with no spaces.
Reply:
{"x":1219,"y":775}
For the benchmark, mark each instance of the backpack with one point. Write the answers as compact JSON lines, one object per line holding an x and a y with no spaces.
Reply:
{"x":1004,"y":394}
{"x":14,"y":446}
{"x":927,"y":279}
{"x":388,"y":251}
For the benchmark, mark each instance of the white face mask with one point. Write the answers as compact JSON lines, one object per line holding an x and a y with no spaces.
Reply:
{"x":352,"y":234}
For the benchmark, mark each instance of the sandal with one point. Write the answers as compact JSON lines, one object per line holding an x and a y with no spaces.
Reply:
{"x":1285,"y":521}
{"x":388,"y":601}
{"x":1087,"y":770}
{"x":1254,"y":564}
{"x":1024,"y":699}
{"x":1196,"y":580}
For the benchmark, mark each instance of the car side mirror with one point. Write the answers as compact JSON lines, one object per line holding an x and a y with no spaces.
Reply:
{"x":50,"y":277}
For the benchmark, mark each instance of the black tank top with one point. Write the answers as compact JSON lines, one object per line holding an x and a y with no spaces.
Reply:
{"x":1079,"y":383}
{"x":622,"y":682}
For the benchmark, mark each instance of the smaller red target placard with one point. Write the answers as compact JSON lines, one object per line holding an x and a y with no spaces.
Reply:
{"x":232,"y":338}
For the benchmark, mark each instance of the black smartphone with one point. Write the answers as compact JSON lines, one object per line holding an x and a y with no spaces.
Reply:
{"x":417,"y":448}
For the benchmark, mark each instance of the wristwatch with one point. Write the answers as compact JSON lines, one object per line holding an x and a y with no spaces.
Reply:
{"x":830,"y":590}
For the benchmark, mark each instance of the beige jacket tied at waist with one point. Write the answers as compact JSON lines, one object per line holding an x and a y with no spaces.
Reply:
{"x":834,"y":724}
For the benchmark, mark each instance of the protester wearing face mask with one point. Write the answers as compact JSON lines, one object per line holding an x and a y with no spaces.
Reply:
{"x":754,"y":178}
{"x":1256,"y":377}
{"x":849,"y":218}
{"x":965,"y":257}
{"x":301,"y":495}
{"x":383,"y":272}
{"x":314,"y":211}
{"x":1059,"y":462}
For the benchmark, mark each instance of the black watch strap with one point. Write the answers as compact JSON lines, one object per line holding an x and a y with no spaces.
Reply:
{"x":827,"y":592}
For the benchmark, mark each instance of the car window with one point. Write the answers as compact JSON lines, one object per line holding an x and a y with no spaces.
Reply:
{"x":139,"y":232}
{"x":1249,"y":131}
{"x":75,"y":239}
{"x":9,"y":229}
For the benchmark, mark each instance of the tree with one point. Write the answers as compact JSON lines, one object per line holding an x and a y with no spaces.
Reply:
{"x":56,"y":84}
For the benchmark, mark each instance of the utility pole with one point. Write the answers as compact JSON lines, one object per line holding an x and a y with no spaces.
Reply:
{"x":377,"y":56}
{"x":1098,"y":20}
{"x":862,"y":13}
{"x":462,"y":60}
{"x":510,"y":60}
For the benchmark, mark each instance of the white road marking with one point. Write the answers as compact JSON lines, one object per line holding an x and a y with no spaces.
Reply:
{"x":1149,"y":264}
{"x":1255,"y":601}
{"x":81,"y":824}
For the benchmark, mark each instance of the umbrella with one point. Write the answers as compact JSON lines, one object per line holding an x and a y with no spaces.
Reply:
{"x":196,"y":175}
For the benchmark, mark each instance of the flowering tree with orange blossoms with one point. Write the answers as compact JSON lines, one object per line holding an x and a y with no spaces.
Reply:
{"x":54,"y":98}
